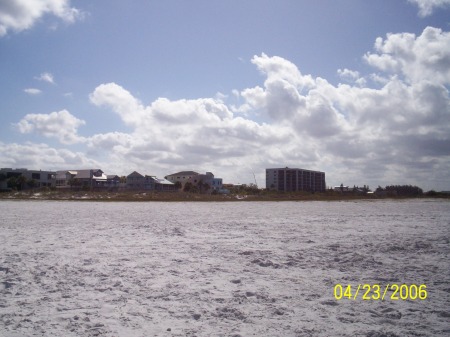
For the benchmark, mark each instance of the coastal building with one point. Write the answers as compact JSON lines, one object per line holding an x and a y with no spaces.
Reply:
{"x":195,"y":178}
{"x":90,"y":178}
{"x":28,"y":178}
{"x":163,"y":184}
{"x":295,"y":179}
{"x":137,"y":181}
{"x":217,"y":184}
{"x":341,"y":188}
{"x":112,"y":181}
{"x":182,"y":177}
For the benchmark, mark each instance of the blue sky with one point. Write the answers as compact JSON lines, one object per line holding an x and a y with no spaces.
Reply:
{"x":358,"y":89}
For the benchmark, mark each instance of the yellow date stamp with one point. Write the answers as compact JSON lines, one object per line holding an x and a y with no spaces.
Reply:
{"x":376,"y":292}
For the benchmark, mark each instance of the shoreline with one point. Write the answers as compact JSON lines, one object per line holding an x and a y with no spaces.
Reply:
{"x":149,"y":196}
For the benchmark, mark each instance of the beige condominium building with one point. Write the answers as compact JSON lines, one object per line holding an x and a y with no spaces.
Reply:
{"x":295,"y":179}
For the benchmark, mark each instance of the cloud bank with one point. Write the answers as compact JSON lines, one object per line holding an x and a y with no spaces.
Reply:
{"x":19,"y":15}
{"x":389,"y":126}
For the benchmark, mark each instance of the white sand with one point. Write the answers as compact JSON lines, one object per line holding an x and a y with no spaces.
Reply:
{"x":221,"y":269}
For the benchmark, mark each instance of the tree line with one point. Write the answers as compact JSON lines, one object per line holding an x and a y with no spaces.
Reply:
{"x":18,"y":182}
{"x":401,"y":190}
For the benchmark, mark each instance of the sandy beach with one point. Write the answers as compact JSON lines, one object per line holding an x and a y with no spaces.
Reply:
{"x":221,"y":269}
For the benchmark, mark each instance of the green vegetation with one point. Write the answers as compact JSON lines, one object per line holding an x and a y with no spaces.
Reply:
{"x":401,"y":190}
{"x":241,"y":193}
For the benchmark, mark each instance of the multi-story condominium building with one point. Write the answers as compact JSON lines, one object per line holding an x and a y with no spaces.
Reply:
{"x":295,"y":179}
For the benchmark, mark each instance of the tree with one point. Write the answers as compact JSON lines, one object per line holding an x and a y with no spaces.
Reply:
{"x":12,"y":183}
{"x":31,"y":183}
{"x":17,"y":182}
{"x":178,"y":185}
{"x":74,"y":182}
{"x":21,"y":181}
{"x":203,"y":187}
{"x":404,"y":190}
{"x":188,"y":187}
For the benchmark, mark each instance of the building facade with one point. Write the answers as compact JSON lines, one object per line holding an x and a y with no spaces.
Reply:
{"x":137,"y":181}
{"x":192,"y":177}
{"x":91,"y":178}
{"x":295,"y":179}
{"x":29,"y":178}
{"x":217,"y":184}
{"x":182,"y":177}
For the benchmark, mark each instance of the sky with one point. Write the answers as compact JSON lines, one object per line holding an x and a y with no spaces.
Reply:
{"x":358,"y":89}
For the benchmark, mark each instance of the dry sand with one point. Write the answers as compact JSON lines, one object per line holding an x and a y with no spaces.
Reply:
{"x":221,"y":269}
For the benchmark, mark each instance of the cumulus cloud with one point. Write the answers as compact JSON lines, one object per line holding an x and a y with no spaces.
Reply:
{"x":120,"y":100}
{"x":416,"y":58}
{"x":32,"y":91}
{"x":426,"y":7}
{"x":180,"y":133}
{"x":19,"y":15}
{"x":61,"y":125}
{"x":351,"y":76}
{"x":396,"y":132}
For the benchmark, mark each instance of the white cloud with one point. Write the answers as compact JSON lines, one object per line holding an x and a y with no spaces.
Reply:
{"x":32,"y":91}
{"x":42,"y":156}
{"x":61,"y":125}
{"x":121,"y":101}
{"x":426,"y":7}
{"x":397,"y":132}
{"x":422,"y":58}
{"x":46,"y":77}
{"x":19,"y":15}
{"x":351,"y":76}
{"x":348,"y":74}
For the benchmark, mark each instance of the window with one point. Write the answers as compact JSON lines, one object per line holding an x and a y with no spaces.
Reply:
{"x":36,"y":176}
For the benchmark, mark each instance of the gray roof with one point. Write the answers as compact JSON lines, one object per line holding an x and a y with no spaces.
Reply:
{"x":184,"y":173}
{"x":163,"y":182}
{"x":134,"y":173}
{"x":61,"y":175}
{"x":80,"y":174}
{"x":86,"y":174}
